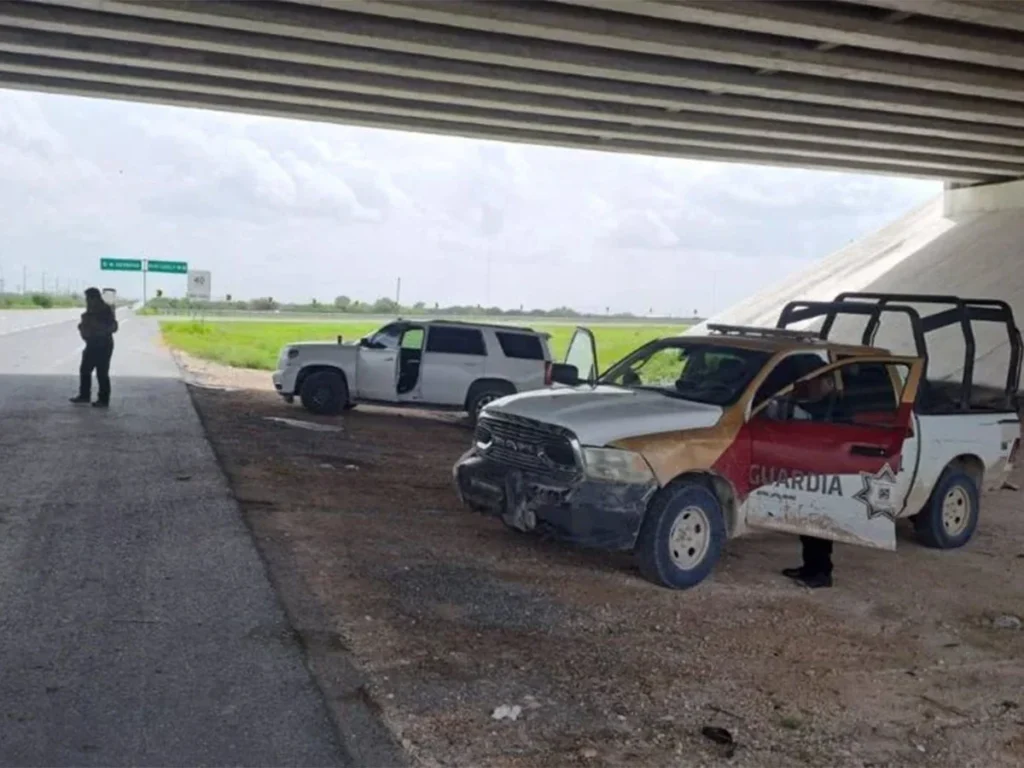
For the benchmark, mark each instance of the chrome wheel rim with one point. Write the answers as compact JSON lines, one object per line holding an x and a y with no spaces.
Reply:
{"x":956,"y":511}
{"x":690,"y":538}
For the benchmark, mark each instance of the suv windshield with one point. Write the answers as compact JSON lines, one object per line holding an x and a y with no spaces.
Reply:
{"x":708,"y":373}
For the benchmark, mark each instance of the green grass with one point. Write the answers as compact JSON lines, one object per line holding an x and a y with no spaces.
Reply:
{"x":258,"y":344}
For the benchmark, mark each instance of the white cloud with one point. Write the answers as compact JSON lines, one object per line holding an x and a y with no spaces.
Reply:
{"x":297,"y":210}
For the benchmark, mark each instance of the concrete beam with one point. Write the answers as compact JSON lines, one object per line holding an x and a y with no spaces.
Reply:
{"x":291,"y":96}
{"x":320,"y":64}
{"x":625,"y":33}
{"x":1001,"y":14}
{"x":433,"y":126}
{"x":837,"y":25}
{"x":111,"y":61}
{"x":141,"y":22}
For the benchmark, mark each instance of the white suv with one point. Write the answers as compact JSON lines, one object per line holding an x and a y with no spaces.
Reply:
{"x":431,"y":364}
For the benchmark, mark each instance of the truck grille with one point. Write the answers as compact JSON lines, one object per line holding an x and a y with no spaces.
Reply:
{"x":526,"y":444}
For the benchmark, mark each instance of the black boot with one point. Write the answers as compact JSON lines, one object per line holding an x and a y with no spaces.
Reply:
{"x":795,"y":573}
{"x":80,"y":400}
{"x":818,"y":580}
{"x":101,"y":404}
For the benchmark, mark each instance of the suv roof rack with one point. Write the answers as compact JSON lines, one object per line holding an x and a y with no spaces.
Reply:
{"x":764,"y":333}
{"x":959,"y":311}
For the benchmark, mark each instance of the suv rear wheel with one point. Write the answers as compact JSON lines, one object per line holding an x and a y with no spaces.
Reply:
{"x":324,"y":392}
{"x":483,"y":393}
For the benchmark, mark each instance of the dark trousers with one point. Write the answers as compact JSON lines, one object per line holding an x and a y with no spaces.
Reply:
{"x":817,"y":555}
{"x":96,"y":356}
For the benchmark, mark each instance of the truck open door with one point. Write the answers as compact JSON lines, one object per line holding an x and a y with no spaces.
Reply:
{"x":582,"y":355}
{"x":834,"y":457}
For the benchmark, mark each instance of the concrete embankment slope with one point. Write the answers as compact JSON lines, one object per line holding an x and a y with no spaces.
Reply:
{"x":968,"y":242}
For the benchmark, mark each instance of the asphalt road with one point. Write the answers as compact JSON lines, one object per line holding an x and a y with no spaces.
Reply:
{"x":137,"y":623}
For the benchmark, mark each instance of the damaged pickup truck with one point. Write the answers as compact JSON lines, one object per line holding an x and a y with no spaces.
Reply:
{"x":693,"y":440}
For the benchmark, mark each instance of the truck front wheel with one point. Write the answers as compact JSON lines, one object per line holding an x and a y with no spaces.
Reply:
{"x":682,"y":536}
{"x":951,"y":514}
{"x":324,"y":392}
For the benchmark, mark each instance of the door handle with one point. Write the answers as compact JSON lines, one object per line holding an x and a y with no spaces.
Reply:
{"x":389,"y":359}
{"x":869,"y":450}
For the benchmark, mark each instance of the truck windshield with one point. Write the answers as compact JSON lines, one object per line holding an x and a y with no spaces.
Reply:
{"x":707,"y":373}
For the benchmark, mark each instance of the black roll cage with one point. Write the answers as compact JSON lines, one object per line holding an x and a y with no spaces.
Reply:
{"x":960,"y":312}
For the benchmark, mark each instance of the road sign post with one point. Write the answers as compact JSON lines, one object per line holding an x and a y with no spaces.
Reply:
{"x":198,"y":284}
{"x":145,"y":266}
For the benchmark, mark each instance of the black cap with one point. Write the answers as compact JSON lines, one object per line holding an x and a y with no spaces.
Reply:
{"x":93,"y":292}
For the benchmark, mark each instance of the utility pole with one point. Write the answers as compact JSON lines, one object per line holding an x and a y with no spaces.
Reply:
{"x":398,"y":294}
{"x":145,"y":269}
{"x":1,"y":281}
{"x":24,"y":279}
{"x":44,"y":282}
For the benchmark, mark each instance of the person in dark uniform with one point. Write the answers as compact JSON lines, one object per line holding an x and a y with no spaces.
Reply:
{"x":97,"y":329}
{"x":814,"y":402}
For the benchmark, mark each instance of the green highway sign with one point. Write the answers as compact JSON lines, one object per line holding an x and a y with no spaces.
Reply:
{"x":174,"y":267}
{"x":122,"y":265}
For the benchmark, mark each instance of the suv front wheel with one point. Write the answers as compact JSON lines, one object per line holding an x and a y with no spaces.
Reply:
{"x":324,"y":393}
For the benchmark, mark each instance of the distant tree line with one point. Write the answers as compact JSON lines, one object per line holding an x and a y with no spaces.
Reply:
{"x":382,"y":306}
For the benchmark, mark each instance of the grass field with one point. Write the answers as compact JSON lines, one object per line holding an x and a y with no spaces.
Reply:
{"x":257,"y":344}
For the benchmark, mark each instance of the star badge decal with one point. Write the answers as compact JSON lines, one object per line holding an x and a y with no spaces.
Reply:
{"x":879,"y":493}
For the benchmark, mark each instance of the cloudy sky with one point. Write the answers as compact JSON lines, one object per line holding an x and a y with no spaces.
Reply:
{"x":301,"y":210}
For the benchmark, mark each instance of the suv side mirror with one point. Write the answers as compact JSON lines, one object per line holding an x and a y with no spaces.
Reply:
{"x":563,"y":373}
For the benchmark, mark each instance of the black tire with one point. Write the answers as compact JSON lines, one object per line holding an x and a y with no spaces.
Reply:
{"x":666,"y":560}
{"x":324,"y":393}
{"x":484,"y":393}
{"x":950,"y":517}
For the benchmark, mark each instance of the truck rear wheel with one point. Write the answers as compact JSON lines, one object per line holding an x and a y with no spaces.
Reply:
{"x":324,"y":393}
{"x":682,"y":536}
{"x":951,"y":514}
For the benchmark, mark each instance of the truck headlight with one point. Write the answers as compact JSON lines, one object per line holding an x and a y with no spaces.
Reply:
{"x":616,"y":466}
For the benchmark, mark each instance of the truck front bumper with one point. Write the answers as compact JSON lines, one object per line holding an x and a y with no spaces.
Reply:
{"x":587,"y":512}
{"x":284,"y":382}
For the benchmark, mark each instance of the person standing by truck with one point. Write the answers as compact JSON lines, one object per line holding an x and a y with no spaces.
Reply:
{"x":97,"y":330}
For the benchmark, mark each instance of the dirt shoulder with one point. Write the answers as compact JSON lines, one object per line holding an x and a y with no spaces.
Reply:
{"x":448,"y":615}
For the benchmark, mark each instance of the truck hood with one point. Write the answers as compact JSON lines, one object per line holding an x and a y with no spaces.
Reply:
{"x":603,"y":414}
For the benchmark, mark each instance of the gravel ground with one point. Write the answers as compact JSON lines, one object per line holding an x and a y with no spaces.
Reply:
{"x":448,"y":615}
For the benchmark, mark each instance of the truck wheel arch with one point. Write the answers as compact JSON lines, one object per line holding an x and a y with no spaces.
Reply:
{"x":724,"y":492}
{"x":970,"y":465}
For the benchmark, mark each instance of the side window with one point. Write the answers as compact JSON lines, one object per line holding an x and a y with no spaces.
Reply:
{"x":412,"y":338}
{"x":387,"y":337}
{"x":785,"y":373}
{"x":865,"y":394}
{"x":521,"y":346}
{"x":868,"y":393}
{"x":456,"y":341}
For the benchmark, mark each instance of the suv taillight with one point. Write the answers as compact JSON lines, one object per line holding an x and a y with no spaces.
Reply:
{"x":547,"y":374}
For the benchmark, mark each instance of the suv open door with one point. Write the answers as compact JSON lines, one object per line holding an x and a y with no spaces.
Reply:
{"x":832,"y":459}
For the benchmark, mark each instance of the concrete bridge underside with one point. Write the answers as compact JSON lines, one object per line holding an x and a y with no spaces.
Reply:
{"x":927,"y":88}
